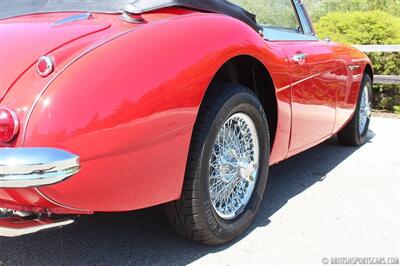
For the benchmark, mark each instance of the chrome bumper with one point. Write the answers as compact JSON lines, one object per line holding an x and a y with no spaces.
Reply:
{"x":33,"y":167}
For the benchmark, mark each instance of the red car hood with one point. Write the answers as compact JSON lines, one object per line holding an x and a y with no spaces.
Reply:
{"x":23,"y":41}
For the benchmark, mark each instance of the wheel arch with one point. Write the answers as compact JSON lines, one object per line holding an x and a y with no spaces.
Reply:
{"x":251,"y":73}
{"x":369,"y":71}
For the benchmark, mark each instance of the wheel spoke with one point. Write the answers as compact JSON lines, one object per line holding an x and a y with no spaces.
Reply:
{"x":365,"y":110}
{"x":235,"y":151}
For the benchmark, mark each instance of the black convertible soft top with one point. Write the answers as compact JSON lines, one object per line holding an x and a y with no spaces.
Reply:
{"x":214,"y":6}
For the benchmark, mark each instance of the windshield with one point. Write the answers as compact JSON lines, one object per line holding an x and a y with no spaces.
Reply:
{"x":9,"y":8}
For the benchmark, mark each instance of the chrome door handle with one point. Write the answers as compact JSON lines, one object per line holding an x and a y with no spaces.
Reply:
{"x":299,"y":58}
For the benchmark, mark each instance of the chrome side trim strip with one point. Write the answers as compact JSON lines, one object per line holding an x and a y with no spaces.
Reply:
{"x":32,"y":167}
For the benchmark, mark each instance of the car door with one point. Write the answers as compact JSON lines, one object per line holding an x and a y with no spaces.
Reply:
{"x":313,"y":92}
{"x":312,"y":65}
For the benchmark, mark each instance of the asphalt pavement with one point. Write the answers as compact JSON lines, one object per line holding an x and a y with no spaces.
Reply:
{"x":330,"y":201}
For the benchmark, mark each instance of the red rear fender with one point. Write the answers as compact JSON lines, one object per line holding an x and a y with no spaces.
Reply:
{"x":128,"y":107}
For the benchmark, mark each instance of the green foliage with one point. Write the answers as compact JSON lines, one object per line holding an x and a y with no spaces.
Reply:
{"x":386,"y":97}
{"x":320,"y":8}
{"x":386,"y":63}
{"x":370,"y":27}
{"x":268,"y":11}
{"x":271,"y":12}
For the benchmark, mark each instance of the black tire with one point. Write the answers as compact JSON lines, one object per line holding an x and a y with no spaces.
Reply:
{"x":350,"y":135}
{"x":193,"y":216}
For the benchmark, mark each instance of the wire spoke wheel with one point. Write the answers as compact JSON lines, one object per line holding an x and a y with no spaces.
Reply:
{"x":365,"y":110}
{"x":355,"y":133}
{"x":234,"y":166}
{"x":227,"y":170}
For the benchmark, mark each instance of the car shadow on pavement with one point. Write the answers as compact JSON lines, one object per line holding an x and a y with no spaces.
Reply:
{"x":145,"y":237}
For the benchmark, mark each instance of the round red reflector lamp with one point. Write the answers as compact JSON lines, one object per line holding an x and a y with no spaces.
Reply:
{"x":45,"y":66}
{"x":9,"y":125}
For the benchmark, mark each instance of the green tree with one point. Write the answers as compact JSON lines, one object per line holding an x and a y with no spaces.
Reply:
{"x":370,"y":27}
{"x":270,"y":12}
{"x":320,"y":8}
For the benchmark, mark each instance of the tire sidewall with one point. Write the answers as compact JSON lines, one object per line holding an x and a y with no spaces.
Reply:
{"x":226,"y":230}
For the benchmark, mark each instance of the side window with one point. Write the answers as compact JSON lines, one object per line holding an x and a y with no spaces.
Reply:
{"x":282,"y":20}
{"x":273,"y":13}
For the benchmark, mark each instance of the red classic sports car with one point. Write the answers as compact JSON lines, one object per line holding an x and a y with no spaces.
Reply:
{"x":113,"y":106}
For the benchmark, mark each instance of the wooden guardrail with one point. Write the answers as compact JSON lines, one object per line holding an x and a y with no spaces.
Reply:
{"x":382,"y":79}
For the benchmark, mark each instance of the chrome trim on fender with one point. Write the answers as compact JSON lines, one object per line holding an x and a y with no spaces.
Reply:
{"x":32,"y":167}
